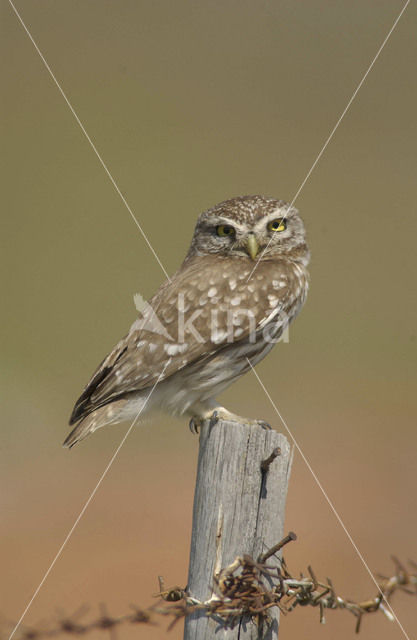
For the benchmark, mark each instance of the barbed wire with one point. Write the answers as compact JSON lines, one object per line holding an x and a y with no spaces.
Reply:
{"x":247,"y":588}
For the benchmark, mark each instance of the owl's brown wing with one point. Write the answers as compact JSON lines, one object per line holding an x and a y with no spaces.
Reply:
{"x":187,"y":320}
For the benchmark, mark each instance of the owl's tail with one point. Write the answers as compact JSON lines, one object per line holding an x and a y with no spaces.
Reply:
{"x":109,"y":414}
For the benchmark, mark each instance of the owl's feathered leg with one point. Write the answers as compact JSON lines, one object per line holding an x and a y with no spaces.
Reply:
{"x":224,"y":414}
{"x":202,"y":412}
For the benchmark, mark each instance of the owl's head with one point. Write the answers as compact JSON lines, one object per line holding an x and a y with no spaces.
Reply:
{"x":251,"y":227}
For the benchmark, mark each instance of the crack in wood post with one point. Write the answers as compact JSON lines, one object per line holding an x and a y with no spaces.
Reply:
{"x":218,"y":565}
{"x":234,"y":516}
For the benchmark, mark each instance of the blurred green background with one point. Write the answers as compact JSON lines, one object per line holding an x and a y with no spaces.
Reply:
{"x":190,"y":103}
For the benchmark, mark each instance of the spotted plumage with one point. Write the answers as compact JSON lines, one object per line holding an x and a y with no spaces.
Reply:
{"x":243,"y":280}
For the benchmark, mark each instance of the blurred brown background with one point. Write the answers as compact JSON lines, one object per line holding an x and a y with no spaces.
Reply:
{"x":190,"y":103}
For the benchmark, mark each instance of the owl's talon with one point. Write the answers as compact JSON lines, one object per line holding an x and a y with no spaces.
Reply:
{"x":196,"y":422}
{"x":194,"y":426}
{"x":214,"y":419}
{"x":265,"y":425}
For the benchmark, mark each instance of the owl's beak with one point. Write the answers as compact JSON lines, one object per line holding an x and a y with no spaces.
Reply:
{"x":252,"y":246}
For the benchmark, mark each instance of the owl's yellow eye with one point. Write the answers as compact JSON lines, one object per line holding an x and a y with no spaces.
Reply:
{"x":225,"y":230}
{"x":277,"y":225}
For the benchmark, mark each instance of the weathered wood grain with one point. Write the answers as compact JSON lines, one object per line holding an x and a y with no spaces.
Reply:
{"x":238,"y":509}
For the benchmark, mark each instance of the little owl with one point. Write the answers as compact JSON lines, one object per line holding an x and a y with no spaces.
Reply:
{"x":243,"y":280}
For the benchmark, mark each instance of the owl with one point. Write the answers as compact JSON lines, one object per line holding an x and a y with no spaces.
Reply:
{"x":242,"y":282}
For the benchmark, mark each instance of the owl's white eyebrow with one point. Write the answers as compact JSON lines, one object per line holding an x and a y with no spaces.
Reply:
{"x":275,"y":215}
{"x":215,"y":220}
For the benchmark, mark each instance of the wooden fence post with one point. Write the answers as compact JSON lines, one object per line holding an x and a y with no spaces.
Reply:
{"x":238,"y":509}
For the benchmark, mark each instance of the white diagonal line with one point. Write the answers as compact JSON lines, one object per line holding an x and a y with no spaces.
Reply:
{"x":91,"y":496}
{"x":80,"y":124}
{"x":330,"y":503}
{"x":166,"y":274}
{"x":333,"y":131}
